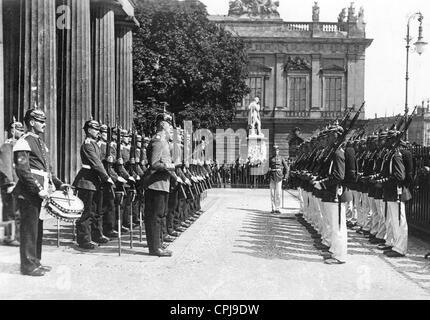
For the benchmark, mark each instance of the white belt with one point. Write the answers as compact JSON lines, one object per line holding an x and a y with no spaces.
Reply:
{"x":85,"y":166}
{"x":43,"y":174}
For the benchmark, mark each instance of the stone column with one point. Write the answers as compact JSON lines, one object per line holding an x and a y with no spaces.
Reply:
{"x":74,"y":84}
{"x":38,"y":66}
{"x":281,"y":84}
{"x":355,"y":81}
{"x":103,"y":62}
{"x":316,"y":83}
{"x":316,"y":87}
{"x":2,"y":109}
{"x":124,"y":74}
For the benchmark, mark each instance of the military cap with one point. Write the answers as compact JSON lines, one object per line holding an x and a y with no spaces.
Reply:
{"x":275,"y":147}
{"x":16,"y":125}
{"x":124,"y":133}
{"x":35,"y":114}
{"x":92,"y":124}
{"x":139,"y":138}
{"x":103,"y":128}
{"x":146,"y":139}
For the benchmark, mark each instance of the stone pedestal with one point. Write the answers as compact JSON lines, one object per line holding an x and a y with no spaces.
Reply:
{"x":258,"y":152}
{"x":74,"y":89}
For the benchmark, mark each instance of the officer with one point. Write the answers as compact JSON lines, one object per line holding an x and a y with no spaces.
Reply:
{"x":156,"y":196}
{"x":10,"y":212}
{"x":89,"y":182}
{"x":278,"y":170}
{"x":36,"y":181}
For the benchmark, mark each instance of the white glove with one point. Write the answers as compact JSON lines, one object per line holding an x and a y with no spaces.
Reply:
{"x":187,"y":181}
{"x":122,"y":180}
{"x":10,"y":188}
{"x":110,"y":181}
{"x":179,"y":179}
{"x":132,"y":179}
{"x":317,"y":185}
{"x":43,"y":194}
{"x":137,"y":178}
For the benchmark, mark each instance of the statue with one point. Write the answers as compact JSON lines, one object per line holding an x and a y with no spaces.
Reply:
{"x":236,"y":7}
{"x":263,"y":8}
{"x":342,"y":16}
{"x":351,"y":13}
{"x":254,"y":117}
{"x":361,"y":15}
{"x":315,"y":12}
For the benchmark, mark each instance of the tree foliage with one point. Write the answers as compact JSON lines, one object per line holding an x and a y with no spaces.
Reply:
{"x":187,"y":63}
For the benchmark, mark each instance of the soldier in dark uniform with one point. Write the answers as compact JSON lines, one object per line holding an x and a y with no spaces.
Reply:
{"x":333,"y":174}
{"x":278,"y":170}
{"x":395,"y":194}
{"x":10,"y":210}
{"x":36,"y":181}
{"x":108,"y":193}
{"x":88,"y":182}
{"x":156,"y":196}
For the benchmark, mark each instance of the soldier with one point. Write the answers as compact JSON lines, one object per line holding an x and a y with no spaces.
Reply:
{"x":36,"y":180}
{"x":156,"y":196}
{"x":89,"y":182}
{"x":10,"y":212}
{"x":278,"y":170}
{"x":108,"y":194}
{"x":331,"y":184}
{"x":396,"y":193}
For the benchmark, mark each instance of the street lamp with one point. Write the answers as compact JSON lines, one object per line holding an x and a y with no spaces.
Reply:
{"x":419,"y":47}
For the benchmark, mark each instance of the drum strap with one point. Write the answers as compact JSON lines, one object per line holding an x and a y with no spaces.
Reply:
{"x":43,"y":174}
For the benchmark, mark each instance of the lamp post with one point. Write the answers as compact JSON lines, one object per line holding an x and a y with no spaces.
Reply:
{"x":419,"y":47}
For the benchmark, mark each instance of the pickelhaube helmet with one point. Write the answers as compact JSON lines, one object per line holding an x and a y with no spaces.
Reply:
{"x":35,"y":114}
{"x":92,"y":124}
{"x":16,"y":125}
{"x":103,"y":128}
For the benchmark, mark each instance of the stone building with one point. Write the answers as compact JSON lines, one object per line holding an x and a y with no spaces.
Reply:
{"x":73,"y":58}
{"x":305,"y":73}
{"x":419,"y":130}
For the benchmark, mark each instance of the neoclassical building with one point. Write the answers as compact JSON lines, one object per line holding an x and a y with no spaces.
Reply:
{"x":304,"y":72}
{"x":73,"y":58}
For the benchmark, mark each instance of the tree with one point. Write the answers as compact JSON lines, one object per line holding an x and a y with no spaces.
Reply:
{"x":186,"y":63}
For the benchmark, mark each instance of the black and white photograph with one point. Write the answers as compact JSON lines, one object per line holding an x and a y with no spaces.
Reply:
{"x":214,"y":154}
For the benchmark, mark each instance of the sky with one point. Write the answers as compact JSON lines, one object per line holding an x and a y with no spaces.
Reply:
{"x":386,"y":24}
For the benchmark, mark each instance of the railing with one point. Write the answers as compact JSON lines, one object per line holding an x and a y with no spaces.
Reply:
{"x":418,"y":209}
{"x":297,"y":114}
{"x":329,"y":27}
{"x":298,"y":26}
{"x":331,"y":114}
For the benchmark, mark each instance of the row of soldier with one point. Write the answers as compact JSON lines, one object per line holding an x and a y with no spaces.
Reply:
{"x":361,"y":183}
{"x":125,"y":181}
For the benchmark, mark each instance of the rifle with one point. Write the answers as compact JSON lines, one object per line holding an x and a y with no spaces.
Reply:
{"x":341,"y":139}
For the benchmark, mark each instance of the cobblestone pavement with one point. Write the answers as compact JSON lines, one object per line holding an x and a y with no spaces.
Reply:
{"x":235,"y":250}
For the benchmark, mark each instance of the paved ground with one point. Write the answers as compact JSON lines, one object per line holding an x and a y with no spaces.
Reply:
{"x":235,"y":250}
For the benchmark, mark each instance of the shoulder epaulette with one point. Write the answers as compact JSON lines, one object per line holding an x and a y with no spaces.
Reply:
{"x":21,"y":144}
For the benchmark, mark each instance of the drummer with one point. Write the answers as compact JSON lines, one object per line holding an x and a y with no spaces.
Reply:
{"x":32,"y":165}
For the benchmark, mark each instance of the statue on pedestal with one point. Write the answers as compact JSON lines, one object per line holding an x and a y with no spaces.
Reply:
{"x":351,"y":14}
{"x":342,"y":16}
{"x":315,"y":12}
{"x":254,"y":117}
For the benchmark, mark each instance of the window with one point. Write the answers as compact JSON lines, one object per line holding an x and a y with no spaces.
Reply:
{"x":297,"y":93}
{"x":256,"y":86}
{"x":333,"y":94}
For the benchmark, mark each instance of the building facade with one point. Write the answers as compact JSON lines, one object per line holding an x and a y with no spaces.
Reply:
{"x":305,"y":73}
{"x":71,"y":58}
